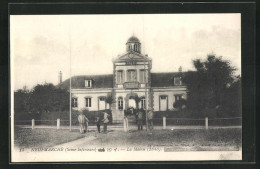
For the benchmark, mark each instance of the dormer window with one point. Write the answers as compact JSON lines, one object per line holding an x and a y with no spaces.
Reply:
{"x":177,"y":81}
{"x":88,"y":83}
{"x":178,"y":97}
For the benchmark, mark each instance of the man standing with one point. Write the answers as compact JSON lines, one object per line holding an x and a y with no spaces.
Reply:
{"x":83,"y":120}
{"x":140,"y":120}
{"x":150,"y":118}
{"x":105,"y":121}
{"x":98,"y":123}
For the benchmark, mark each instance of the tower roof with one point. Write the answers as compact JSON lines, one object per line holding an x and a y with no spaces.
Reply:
{"x":133,"y":39}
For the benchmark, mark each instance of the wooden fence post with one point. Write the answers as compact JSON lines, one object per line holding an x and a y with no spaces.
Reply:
{"x":33,"y":123}
{"x":164,"y":122}
{"x":125,"y":124}
{"x":58,"y":123}
{"x":206,"y":123}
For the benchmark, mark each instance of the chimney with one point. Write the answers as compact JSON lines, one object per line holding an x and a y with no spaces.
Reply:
{"x":180,"y":69}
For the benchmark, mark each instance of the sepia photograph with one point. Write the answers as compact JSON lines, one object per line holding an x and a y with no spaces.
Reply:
{"x":126,"y":87}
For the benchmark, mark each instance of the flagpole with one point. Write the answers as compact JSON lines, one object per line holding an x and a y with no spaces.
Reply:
{"x":70,"y":78}
{"x":146,"y":79}
{"x":145,"y":72}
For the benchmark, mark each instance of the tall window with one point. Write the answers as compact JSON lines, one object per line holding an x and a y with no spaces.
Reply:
{"x":143,"y":103}
{"x":142,"y":76}
{"x":102,"y":103}
{"x":88,"y":102}
{"x":74,"y":102}
{"x":131,"y":75}
{"x":88,"y":83}
{"x":120,"y":103}
{"x":163,"y":103}
{"x":119,"y":77}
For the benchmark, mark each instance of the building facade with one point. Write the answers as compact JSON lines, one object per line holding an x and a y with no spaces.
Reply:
{"x":132,"y":76}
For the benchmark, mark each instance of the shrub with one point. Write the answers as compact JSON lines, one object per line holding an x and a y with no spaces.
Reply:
{"x":129,"y":112}
{"x":178,"y":104}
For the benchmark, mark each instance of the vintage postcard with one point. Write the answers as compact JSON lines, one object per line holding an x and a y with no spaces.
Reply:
{"x":125,"y":87}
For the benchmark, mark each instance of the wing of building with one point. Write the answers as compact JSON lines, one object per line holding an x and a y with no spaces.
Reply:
{"x":131,"y":77}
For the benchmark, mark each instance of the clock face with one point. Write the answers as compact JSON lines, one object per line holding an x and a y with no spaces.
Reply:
{"x":131,"y":55}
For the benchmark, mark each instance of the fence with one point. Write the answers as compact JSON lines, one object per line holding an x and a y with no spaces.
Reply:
{"x":194,"y":122}
{"x":163,"y":122}
{"x":203,"y":122}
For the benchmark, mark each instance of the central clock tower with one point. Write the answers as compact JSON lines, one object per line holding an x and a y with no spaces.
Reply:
{"x":131,"y":77}
{"x":132,"y":69}
{"x":133,"y":44}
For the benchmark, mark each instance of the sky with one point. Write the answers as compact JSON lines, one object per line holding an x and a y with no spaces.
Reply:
{"x":43,"y":45}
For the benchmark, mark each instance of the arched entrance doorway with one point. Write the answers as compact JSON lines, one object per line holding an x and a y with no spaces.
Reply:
{"x":130,"y":100}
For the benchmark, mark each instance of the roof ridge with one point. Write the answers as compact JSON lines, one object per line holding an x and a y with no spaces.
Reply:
{"x":163,"y":72}
{"x":93,"y":75}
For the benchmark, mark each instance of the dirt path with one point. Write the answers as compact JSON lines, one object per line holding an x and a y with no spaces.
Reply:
{"x":76,"y":143}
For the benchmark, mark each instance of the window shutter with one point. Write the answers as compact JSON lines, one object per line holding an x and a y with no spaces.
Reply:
{"x":89,"y":102}
{"x":123,"y":76}
{"x":141,"y":76}
{"x":145,"y":76}
{"x":135,"y":75}
{"x":117,"y":77}
{"x":128,"y":76}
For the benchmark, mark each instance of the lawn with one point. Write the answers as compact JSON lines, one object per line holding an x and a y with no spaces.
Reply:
{"x":28,"y":138}
{"x":180,"y":139}
{"x":223,"y":139}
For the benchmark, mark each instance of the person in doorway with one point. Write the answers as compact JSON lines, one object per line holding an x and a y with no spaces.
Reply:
{"x":105,"y":121}
{"x":150,"y":118}
{"x":98,"y":123}
{"x":83,"y":120}
{"x":140,"y":120}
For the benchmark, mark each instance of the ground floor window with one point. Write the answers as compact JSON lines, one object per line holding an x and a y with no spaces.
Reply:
{"x":120,"y":103}
{"x":102,"y":103}
{"x":163,"y":103}
{"x":74,"y":102}
{"x":178,"y":97}
{"x":143,"y":106}
{"x":88,"y":102}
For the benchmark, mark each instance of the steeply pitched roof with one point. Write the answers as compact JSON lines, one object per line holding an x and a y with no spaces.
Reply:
{"x":99,"y":81}
{"x":163,"y":79}
{"x":106,"y":81}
